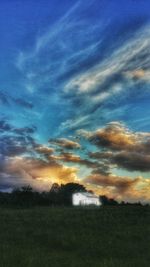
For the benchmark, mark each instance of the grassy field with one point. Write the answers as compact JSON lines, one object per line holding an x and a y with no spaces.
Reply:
{"x":59,"y":237}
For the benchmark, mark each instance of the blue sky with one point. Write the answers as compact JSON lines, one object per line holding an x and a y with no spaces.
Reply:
{"x":74,"y":95}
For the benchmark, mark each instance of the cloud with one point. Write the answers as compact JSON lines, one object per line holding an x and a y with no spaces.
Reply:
{"x":72,"y":158}
{"x":64,"y":53}
{"x":132,"y":161}
{"x":7,"y":99}
{"x":120,"y":147}
{"x":110,"y":83}
{"x":120,"y":188}
{"x":98,"y":81}
{"x":41,"y":172}
{"x":44,"y":149}
{"x":25,"y":130}
{"x":65,"y":143}
{"x":101,"y":155}
{"x":75,"y":124}
{"x":114,"y":136}
{"x":13,"y":145}
{"x":139,"y":74}
{"x":5,"y":126}
{"x":36,"y":172}
{"x":117,"y":137}
{"x":120,"y":184}
{"x":87,"y":68}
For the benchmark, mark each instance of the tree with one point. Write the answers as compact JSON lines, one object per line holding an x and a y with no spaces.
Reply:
{"x":23,"y":196}
{"x":108,"y":201}
{"x":54,"y":194}
{"x":55,"y":188}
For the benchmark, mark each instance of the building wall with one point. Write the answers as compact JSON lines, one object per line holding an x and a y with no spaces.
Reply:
{"x":79,"y":199}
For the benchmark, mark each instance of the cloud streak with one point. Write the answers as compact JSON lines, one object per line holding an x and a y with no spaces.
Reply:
{"x":65,"y":143}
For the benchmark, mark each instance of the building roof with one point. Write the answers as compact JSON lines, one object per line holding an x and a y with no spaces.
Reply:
{"x":86,"y":194}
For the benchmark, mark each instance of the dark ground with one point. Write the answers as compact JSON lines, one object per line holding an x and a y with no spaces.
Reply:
{"x":72,"y":237}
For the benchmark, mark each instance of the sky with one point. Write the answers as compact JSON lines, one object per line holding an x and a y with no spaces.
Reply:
{"x":75,"y":96}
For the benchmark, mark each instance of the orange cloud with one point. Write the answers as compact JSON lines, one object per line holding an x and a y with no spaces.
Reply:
{"x":120,"y":188}
{"x":39,"y":173}
{"x":121,"y":184}
{"x":70,"y":157}
{"x":118,"y":146}
{"x":139,"y":74}
{"x":116,"y":136}
{"x":44,"y":149}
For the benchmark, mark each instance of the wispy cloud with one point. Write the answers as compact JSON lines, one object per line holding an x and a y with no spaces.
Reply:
{"x":65,"y":49}
{"x":73,"y":59}
{"x":65,"y":143}
{"x":100,"y":79}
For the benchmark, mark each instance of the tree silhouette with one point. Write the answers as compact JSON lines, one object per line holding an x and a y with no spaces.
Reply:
{"x":107,"y":201}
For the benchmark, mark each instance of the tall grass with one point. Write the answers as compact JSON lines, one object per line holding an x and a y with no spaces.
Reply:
{"x":72,"y":237}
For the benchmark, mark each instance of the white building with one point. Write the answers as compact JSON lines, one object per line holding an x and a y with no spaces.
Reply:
{"x":84,"y":199}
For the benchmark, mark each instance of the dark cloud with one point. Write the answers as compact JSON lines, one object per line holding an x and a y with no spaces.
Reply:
{"x":102,"y":168}
{"x":12,"y":146}
{"x":120,"y":147}
{"x":100,"y":155}
{"x":132,"y":161}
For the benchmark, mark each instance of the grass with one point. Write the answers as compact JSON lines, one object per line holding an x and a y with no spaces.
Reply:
{"x":72,"y":237}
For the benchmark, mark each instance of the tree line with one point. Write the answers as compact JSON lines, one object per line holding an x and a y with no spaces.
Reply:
{"x":58,"y":195}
